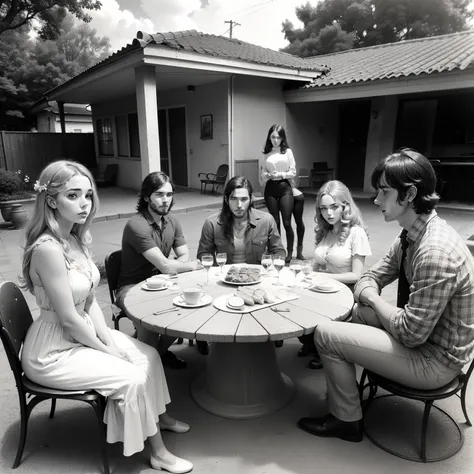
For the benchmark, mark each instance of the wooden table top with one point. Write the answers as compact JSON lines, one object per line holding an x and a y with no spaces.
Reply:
{"x":213,"y":325}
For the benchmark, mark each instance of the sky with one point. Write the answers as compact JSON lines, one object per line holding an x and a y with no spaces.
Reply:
{"x":260,"y":20}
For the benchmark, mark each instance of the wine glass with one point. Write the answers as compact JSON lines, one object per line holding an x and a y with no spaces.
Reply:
{"x":295,"y":267}
{"x":267,"y":260}
{"x":278,"y":263}
{"x":221,"y":259}
{"x":307,"y":268}
{"x":207,"y":261}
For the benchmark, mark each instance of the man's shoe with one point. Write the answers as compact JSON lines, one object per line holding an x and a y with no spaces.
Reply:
{"x":316,"y":363}
{"x":203,"y":347}
{"x":331,"y":427}
{"x":172,"y":361}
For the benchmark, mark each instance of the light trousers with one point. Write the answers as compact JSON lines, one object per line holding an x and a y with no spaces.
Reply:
{"x":364,"y":342}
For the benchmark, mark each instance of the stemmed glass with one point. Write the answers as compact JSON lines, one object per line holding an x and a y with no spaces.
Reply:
{"x":295,"y":267}
{"x":207,"y":261}
{"x":267,"y":260}
{"x":307,"y":268}
{"x":278,"y":263}
{"x":221,"y":259}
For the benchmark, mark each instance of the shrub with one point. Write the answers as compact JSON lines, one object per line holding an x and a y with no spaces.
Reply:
{"x":10,"y":182}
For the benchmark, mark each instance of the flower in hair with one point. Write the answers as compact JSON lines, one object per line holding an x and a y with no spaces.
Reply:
{"x":40,"y":187}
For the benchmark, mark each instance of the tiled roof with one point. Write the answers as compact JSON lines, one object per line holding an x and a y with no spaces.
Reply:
{"x":397,"y":60}
{"x":226,"y":48}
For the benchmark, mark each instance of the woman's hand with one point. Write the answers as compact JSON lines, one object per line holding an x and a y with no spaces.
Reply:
{"x":116,"y":351}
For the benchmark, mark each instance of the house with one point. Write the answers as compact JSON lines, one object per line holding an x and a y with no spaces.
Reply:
{"x":186,"y":102}
{"x":78,"y":119}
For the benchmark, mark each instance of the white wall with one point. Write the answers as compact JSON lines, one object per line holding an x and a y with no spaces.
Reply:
{"x":258,"y":104}
{"x":312,"y":132}
{"x":74,"y":123}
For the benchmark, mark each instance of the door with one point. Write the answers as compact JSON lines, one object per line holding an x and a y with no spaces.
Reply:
{"x":178,"y":148}
{"x":354,"y":119}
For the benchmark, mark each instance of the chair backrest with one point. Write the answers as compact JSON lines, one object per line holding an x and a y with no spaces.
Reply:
{"x":221,"y":174}
{"x":113,"y":262}
{"x":110,"y":173}
{"x":15,"y":319}
{"x":320,"y":165}
{"x":303,"y":173}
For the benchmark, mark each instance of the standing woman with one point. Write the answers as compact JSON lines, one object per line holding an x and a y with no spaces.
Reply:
{"x":276,"y":171}
{"x":298,"y":210}
{"x":69,"y":346}
{"x":342,"y":243}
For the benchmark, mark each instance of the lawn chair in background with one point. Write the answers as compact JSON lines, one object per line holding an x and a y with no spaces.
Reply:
{"x":215,"y":179}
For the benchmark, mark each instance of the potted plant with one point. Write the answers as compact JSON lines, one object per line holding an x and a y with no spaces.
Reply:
{"x":15,"y":191}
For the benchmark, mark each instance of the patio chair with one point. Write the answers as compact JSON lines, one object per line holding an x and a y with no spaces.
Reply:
{"x":216,"y":179}
{"x":459,"y":384}
{"x":109,"y":178}
{"x":303,"y":173}
{"x":15,"y":319}
{"x":112,"y":270}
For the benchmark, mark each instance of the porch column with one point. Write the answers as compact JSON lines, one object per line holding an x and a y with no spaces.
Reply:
{"x":147,"y":110}
{"x":62,"y":118}
{"x":381,"y":137}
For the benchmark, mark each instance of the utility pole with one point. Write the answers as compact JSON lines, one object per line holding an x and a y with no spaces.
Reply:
{"x":232,"y":24}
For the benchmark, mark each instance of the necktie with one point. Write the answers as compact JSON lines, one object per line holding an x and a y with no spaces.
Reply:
{"x":403,"y":286}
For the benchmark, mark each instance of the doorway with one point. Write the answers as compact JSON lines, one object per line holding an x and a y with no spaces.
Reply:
{"x":173,"y":147}
{"x":354,"y":119}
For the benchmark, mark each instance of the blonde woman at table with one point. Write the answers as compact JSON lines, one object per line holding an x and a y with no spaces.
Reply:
{"x":69,"y":346}
{"x":342,"y":244}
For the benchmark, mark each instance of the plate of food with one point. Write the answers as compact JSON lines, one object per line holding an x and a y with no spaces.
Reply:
{"x":242,"y":275}
{"x":245,"y":300}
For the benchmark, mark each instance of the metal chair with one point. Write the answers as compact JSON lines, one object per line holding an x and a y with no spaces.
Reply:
{"x":303,"y":173}
{"x":215,"y":179}
{"x":113,"y":262}
{"x":15,"y":319}
{"x":459,"y":384}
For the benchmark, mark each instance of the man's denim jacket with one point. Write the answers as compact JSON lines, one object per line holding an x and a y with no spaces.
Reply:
{"x":262,"y":234}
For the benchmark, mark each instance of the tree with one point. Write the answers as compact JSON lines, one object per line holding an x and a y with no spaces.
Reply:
{"x":338,"y":25}
{"x":30,"y":68}
{"x":49,"y":14}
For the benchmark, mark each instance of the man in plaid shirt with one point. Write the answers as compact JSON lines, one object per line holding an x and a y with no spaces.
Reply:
{"x":425,"y":342}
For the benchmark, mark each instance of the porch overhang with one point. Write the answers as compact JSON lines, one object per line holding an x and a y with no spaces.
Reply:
{"x":434,"y":82}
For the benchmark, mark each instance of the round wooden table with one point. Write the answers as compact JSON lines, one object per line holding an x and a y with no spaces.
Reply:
{"x":242,"y":379}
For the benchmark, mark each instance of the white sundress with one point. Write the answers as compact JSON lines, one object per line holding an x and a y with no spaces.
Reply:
{"x":137,"y":393}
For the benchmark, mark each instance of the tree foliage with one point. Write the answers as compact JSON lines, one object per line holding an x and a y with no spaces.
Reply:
{"x":338,"y":25}
{"x":48,"y":14}
{"x":30,"y":67}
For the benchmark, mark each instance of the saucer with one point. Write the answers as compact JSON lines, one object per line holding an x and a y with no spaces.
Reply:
{"x":205,"y":300}
{"x":147,"y":288}
{"x":332,"y":289}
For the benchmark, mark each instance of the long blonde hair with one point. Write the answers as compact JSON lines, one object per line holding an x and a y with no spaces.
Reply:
{"x":54,"y":179}
{"x":350,"y":216}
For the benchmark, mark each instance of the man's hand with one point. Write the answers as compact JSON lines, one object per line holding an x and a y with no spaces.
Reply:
{"x":195,"y":265}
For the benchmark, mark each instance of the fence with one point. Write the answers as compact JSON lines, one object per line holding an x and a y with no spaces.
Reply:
{"x":31,"y":152}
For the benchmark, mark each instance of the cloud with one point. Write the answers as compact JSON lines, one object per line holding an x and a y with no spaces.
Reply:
{"x":260,"y":20}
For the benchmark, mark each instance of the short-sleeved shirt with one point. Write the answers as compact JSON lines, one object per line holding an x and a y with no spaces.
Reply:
{"x":142,"y":233}
{"x":338,"y":258}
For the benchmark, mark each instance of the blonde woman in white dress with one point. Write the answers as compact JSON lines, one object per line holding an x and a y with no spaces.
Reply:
{"x":69,"y":346}
{"x":342,"y":244}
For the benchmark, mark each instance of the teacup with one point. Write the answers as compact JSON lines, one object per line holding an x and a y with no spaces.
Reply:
{"x":156,"y":282}
{"x":192,"y":295}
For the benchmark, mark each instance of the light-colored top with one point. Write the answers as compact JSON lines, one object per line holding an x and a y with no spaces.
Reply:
{"x":239,"y":252}
{"x":338,"y":258}
{"x":438,"y":318}
{"x":282,"y":163}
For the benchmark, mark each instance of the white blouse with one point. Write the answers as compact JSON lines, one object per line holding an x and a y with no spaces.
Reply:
{"x":338,"y":258}
{"x":275,"y":161}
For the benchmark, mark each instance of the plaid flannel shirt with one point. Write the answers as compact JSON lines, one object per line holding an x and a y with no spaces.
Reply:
{"x":439,"y":316}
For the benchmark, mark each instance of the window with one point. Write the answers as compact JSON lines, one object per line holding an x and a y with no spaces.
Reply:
{"x":133,"y":134}
{"x":77,"y":130}
{"x":104,"y":137}
{"x":122,"y":135}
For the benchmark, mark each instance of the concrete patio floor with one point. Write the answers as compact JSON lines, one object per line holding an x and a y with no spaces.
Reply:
{"x":271,"y":444}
